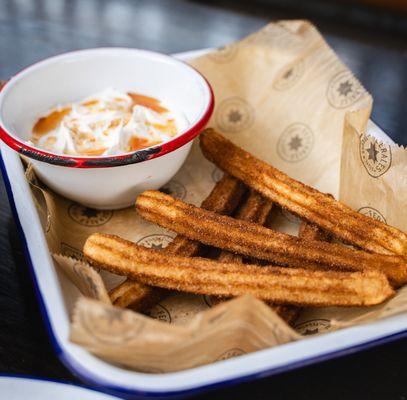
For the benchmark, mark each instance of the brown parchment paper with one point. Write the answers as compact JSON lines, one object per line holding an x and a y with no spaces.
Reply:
{"x":373,"y":181}
{"x":282,"y":94}
{"x":132,"y":339}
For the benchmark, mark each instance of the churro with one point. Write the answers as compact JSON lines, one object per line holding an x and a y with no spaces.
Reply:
{"x":203,"y":276}
{"x":223,"y":199}
{"x":302,"y":200}
{"x":135,"y":295}
{"x":259,"y":242}
{"x":309,"y":231}
{"x":255,"y":209}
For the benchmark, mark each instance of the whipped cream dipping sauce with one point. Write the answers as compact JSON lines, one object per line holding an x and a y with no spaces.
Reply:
{"x":107,"y":123}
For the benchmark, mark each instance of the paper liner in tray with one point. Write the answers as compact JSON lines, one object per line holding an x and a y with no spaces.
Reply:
{"x":282,"y":94}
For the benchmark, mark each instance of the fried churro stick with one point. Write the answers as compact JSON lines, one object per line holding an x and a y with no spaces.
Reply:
{"x":135,"y":295}
{"x":255,"y":209}
{"x":302,"y":200}
{"x":259,"y":242}
{"x":309,"y":231}
{"x":204,"y":276}
{"x":223,"y":199}
{"x":140,"y":297}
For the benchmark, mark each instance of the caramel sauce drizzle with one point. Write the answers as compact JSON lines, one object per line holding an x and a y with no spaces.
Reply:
{"x":146,"y":101}
{"x":50,"y":122}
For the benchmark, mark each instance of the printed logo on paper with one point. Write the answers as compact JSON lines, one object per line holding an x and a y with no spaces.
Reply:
{"x":156,"y":241}
{"x":83,"y":275}
{"x":69,"y":251}
{"x":313,"y":327}
{"x":217,"y":174}
{"x":344,"y":90}
{"x":234,"y":115}
{"x":111,"y":325}
{"x":372,"y":213}
{"x":231,"y":353}
{"x":88,"y":216}
{"x":295,"y":143}
{"x":375,"y":156}
{"x":175,"y":189}
{"x":161,"y":313}
{"x":224,"y":54}
{"x":289,"y":76}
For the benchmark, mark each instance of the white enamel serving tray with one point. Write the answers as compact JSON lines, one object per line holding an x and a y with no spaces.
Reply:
{"x":129,"y":384}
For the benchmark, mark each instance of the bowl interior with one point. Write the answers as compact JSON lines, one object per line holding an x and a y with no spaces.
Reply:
{"x":73,"y":76}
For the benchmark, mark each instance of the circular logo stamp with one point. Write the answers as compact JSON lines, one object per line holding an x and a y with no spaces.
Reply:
{"x":224,"y":54}
{"x":313,"y":327}
{"x":217,"y":174}
{"x":88,"y":216}
{"x":111,"y":325}
{"x":234,"y":115}
{"x":372,"y":213}
{"x":87,"y":284}
{"x":344,"y":90}
{"x":156,"y":241}
{"x":231,"y":353}
{"x":174,"y":189}
{"x":295,"y":143}
{"x":161,"y":313}
{"x":289,"y":76}
{"x":375,"y":156}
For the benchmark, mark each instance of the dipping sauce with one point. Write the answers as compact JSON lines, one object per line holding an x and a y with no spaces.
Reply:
{"x":107,"y":123}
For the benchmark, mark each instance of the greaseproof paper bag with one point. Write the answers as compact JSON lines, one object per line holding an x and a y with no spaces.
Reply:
{"x":282,"y":94}
{"x":374,"y":177}
{"x":373,"y":181}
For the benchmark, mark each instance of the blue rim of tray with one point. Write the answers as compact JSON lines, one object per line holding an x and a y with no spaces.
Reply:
{"x":103,"y":386}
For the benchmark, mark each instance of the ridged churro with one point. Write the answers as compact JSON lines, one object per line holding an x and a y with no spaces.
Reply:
{"x":259,"y":242}
{"x":309,"y":231}
{"x":139,"y":297}
{"x":135,"y":295}
{"x":302,"y":200}
{"x":204,"y":276}
{"x":223,"y":199}
{"x":255,"y":209}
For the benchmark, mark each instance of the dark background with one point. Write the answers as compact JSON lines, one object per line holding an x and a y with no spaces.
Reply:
{"x":372,"y":41}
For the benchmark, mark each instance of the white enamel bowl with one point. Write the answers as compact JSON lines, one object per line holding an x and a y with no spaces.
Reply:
{"x":104,"y":182}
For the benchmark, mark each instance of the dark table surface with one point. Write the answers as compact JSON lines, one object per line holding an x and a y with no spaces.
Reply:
{"x":34,"y":29}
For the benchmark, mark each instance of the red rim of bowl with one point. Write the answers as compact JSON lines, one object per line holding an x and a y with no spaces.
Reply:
{"x":116,"y":160}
